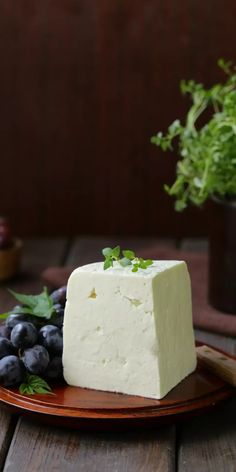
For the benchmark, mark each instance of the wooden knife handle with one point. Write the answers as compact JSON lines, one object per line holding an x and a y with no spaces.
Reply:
{"x":219,"y":363}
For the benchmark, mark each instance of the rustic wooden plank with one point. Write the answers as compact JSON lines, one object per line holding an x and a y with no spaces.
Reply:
{"x":37,"y":254}
{"x":63,"y":450}
{"x":208,"y":443}
{"x":51,"y":448}
{"x":56,"y":449}
{"x":8,"y":423}
{"x":227,"y":344}
{"x":88,"y":249}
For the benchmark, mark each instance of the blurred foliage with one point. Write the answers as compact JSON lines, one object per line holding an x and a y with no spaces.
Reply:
{"x":207,"y":163}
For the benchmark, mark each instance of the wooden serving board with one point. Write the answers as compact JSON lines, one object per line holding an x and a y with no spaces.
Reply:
{"x":92,"y":409}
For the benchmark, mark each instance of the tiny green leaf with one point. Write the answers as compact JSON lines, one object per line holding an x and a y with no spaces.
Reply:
{"x":34,"y":384}
{"x":108,"y":263}
{"x":116,"y":252}
{"x":129,"y":259}
{"x":124,"y":262}
{"x":4,"y":316}
{"x":142,"y":265}
{"x":135,"y":268}
{"x":107,"y":251}
{"x":128,"y":254}
{"x":149,"y":262}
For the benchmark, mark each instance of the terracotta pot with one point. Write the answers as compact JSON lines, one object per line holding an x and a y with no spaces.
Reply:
{"x":222,"y":256}
{"x":10,"y":260}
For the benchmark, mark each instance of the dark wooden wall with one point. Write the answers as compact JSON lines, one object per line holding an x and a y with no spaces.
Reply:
{"x":83,"y":86}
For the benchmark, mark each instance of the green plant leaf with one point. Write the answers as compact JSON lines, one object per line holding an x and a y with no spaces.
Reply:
{"x":124,"y":262}
{"x":116,"y":252}
{"x":37,"y":305}
{"x":34,"y":385}
{"x":129,"y":259}
{"x":128,"y":254}
{"x":206,"y":142}
{"x":107,"y":251}
{"x":27,"y":300}
{"x":149,"y":262}
{"x":108,"y":263}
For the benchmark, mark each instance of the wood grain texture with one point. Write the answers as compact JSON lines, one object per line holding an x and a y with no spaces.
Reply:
{"x":207,"y":444}
{"x":50,"y":448}
{"x":227,"y":344}
{"x":66,"y":451}
{"x":8,"y":423}
{"x":220,"y":364}
{"x":83,"y":86}
{"x":36,"y":255}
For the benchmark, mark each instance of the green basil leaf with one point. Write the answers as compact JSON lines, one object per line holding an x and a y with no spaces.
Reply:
{"x":108,"y":263}
{"x":128,"y":254}
{"x":116,"y":252}
{"x":124,"y":262}
{"x":107,"y":251}
{"x":129,"y":258}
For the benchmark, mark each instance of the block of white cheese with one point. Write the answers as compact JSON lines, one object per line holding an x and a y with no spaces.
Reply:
{"x":129,"y":332}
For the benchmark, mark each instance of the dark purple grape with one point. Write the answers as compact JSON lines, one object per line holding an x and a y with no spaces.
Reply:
{"x":51,"y":338}
{"x":6,"y":348}
{"x":59,"y":296}
{"x":15,"y":318}
{"x":35,"y":359}
{"x":57,"y":318}
{"x":4,"y":332}
{"x":24,"y":335}
{"x":58,"y":307}
{"x":11,"y":371}
{"x":54,"y":369}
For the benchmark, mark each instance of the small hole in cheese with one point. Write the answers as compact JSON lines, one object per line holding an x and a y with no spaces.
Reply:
{"x":93,"y":294}
{"x":134,"y":301}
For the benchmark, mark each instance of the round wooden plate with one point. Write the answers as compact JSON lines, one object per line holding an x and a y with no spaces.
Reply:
{"x":92,"y":409}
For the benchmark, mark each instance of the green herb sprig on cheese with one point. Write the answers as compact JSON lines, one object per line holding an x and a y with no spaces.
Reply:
{"x":125,"y":258}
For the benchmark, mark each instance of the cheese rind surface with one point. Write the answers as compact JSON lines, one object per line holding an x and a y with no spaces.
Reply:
{"x":129,"y":332}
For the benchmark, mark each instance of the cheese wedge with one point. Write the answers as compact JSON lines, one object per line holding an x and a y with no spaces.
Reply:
{"x":129,"y":332}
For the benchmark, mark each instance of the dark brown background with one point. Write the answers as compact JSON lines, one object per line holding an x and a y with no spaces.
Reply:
{"x":83,"y":86}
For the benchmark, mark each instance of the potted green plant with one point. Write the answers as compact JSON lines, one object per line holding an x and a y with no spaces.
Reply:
{"x":207,"y":169}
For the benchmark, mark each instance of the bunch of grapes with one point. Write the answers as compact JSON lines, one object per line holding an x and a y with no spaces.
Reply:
{"x":32,"y":345}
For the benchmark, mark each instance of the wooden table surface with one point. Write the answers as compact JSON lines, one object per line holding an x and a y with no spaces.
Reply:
{"x":205,"y":444}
